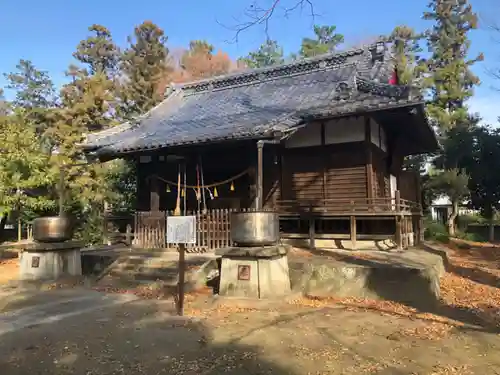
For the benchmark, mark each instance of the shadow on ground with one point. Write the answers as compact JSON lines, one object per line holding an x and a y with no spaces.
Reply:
{"x":386,"y":282}
{"x":140,"y":337}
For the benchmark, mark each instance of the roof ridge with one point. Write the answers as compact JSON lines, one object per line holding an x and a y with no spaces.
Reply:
{"x":253,"y":75}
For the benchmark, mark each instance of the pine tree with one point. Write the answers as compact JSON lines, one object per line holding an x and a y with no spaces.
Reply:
{"x":451,"y":81}
{"x":35,"y":94}
{"x":406,"y":51}
{"x":268,"y":54}
{"x":144,"y":64}
{"x":98,"y":51}
{"x":326,"y":41}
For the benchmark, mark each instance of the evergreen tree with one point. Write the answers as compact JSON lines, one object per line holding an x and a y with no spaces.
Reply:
{"x":326,"y":41}
{"x":405,"y":50}
{"x":4,"y":105}
{"x":451,"y":81}
{"x":98,"y":51}
{"x":143,"y":64}
{"x":35,"y":94}
{"x":268,"y":54}
{"x":25,"y":173}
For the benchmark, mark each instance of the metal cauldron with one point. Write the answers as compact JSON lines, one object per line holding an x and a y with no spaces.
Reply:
{"x":52,"y":229}
{"x":254,"y":228}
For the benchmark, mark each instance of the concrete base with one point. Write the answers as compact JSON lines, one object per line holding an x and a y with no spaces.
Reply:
{"x":256,"y":273}
{"x":410,"y":277}
{"x":49,"y":262}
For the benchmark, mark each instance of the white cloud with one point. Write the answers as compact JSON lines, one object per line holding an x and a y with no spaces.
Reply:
{"x":487,"y":105}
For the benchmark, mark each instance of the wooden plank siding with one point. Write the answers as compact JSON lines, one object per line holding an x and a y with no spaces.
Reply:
{"x":338,"y":172}
{"x":380,"y":173}
{"x":408,"y":185}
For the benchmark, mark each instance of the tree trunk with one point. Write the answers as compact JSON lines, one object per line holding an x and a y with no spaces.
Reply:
{"x":491,"y":230}
{"x":452,"y":218}
{"x":3,"y":221}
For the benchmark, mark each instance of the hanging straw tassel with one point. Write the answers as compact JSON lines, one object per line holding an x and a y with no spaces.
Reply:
{"x":232,"y":186}
{"x":216,"y":193}
{"x":183,"y":194}
{"x":168,"y":188}
{"x":177,"y":210}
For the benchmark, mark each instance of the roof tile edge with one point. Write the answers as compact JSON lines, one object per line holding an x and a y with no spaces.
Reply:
{"x":325,"y":61}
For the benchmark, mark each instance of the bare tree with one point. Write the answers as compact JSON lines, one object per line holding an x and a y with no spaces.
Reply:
{"x":259,"y":14}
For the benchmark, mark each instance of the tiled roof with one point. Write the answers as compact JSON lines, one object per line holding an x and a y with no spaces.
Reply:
{"x":259,"y":102}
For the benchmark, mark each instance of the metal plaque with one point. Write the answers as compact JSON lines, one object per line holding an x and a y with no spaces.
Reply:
{"x":35,"y":262}
{"x":181,"y":229}
{"x":243,"y":272}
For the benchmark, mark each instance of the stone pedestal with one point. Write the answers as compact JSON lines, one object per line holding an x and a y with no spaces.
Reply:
{"x":49,"y":261}
{"x":254,"y":272}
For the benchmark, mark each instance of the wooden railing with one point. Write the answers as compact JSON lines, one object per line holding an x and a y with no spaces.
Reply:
{"x":370,"y":206}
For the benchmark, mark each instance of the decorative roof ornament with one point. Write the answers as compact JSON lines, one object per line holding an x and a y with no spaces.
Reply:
{"x":378,"y":51}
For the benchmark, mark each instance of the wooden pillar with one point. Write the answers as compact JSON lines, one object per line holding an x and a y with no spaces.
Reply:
{"x":312,"y":233}
{"x":353,"y":232}
{"x":154,"y":194}
{"x":368,"y":159}
{"x":324,"y":162}
{"x":398,"y":234}
{"x":260,"y":176}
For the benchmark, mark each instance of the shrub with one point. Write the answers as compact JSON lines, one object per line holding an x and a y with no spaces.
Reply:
{"x":435,"y":231}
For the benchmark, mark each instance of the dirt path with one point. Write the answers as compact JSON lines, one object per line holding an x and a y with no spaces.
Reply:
{"x":296,"y":337}
{"x":142,"y":337}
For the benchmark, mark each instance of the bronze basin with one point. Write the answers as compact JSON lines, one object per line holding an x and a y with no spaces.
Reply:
{"x":52,"y":229}
{"x":255,"y":228}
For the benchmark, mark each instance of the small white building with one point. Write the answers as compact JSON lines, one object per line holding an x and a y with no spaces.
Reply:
{"x":441,"y":208}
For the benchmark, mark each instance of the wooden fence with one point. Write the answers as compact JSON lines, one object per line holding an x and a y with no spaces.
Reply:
{"x":212,"y":230}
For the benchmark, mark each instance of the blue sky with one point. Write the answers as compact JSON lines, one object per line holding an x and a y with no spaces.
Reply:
{"x":47,"y":31}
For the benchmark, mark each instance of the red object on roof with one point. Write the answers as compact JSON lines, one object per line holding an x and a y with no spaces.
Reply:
{"x":394,"y":78}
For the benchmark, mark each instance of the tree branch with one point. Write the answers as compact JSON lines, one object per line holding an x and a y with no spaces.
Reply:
{"x":258,"y":15}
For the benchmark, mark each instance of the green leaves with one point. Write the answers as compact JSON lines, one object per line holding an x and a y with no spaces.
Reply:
{"x":268,"y":54}
{"x":25,"y":174}
{"x":143,"y":63}
{"x":451,"y":81}
{"x":326,"y":41}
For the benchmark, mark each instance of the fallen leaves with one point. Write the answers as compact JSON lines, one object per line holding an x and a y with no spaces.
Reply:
{"x":9,"y":270}
{"x":450,"y":370}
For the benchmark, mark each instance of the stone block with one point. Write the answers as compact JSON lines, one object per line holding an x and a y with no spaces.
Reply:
{"x":274,"y":278}
{"x":232,"y":285}
{"x":49,"y":265}
{"x":267,"y":277}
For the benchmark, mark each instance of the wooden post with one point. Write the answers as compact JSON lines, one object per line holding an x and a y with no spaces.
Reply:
{"x":368,"y":159}
{"x":353,"y":232}
{"x":312,"y":233}
{"x":19,"y":230}
{"x":399,"y":237}
{"x":61,"y":191}
{"x":154,"y":194}
{"x":397,"y":198}
{"x":180,"y":285}
{"x":128,"y":235}
{"x":260,"y":178}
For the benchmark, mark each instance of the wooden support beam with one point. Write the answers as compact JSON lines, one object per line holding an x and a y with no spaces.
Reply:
{"x":312,"y":233}
{"x":324,"y":161}
{"x":397,"y":199}
{"x":369,"y":158}
{"x":399,"y":230}
{"x":260,"y":178}
{"x":154,"y":194}
{"x":353,"y":232}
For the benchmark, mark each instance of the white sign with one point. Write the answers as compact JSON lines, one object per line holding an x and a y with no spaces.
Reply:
{"x":181,"y":229}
